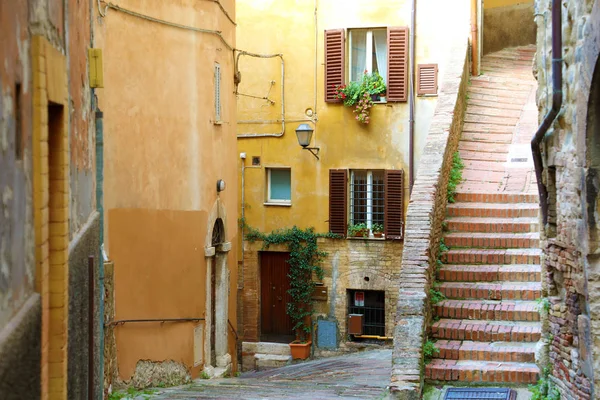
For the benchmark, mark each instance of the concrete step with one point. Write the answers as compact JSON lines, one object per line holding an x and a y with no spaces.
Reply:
{"x":262,"y":349}
{"x":486,"y":331}
{"x":490,"y":273}
{"x":265,"y":362}
{"x":506,"y":225}
{"x":493,"y":210}
{"x":492,"y":291}
{"x":492,"y":240}
{"x":495,"y":197}
{"x":491,"y":256}
{"x":482,"y":371}
{"x":486,"y":351}
{"x":488,"y":310}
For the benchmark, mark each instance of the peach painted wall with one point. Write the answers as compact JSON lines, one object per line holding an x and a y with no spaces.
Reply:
{"x":163,"y":157}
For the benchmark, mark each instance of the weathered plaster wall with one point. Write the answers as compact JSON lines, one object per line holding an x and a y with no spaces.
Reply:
{"x":163,"y":156}
{"x":343,"y":142}
{"x":347,"y":264}
{"x":570,"y":241}
{"x":507,"y":23}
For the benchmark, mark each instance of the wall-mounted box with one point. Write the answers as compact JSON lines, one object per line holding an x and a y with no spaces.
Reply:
{"x":355,"y":324}
{"x":320,"y":293}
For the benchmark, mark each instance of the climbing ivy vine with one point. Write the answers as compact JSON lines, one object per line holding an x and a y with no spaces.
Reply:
{"x":305,"y":261}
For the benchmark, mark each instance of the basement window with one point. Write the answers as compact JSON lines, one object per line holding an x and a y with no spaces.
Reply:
{"x":279,"y":186}
{"x":371,"y":305}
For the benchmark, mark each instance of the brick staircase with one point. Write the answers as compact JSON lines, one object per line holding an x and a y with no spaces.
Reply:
{"x":489,"y":324}
{"x":488,"y":327}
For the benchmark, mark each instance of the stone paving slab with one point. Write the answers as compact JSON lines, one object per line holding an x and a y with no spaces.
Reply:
{"x":364,"y":375}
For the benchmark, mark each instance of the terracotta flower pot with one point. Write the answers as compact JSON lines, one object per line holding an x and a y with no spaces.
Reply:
{"x":300,"y":351}
{"x":378,"y":234}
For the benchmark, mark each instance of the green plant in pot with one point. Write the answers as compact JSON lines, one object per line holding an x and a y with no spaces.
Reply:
{"x":374,"y":85}
{"x":377,"y":230}
{"x":358,"y":230}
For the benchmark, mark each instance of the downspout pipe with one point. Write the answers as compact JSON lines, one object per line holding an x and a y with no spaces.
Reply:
{"x":557,"y":99}
{"x":100,"y":208}
{"x":411,"y":98}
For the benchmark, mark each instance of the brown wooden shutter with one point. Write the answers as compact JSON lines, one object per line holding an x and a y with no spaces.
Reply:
{"x":397,"y":76}
{"x":338,"y":201}
{"x":334,"y":63}
{"x":394,"y":204}
{"x":427,"y":79}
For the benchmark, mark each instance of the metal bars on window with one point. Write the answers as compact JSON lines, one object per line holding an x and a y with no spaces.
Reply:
{"x":367,"y":190}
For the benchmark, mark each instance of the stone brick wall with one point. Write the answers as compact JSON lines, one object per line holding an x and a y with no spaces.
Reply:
{"x":426,"y":212}
{"x":350,"y":264}
{"x":570,"y":265}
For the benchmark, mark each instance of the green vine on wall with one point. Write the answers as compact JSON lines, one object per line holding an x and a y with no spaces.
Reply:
{"x":305,"y":261}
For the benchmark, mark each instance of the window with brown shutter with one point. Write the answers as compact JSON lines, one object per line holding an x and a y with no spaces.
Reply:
{"x":427,"y":79}
{"x":397,"y":75}
{"x":334,"y":63}
{"x":338,"y":201}
{"x":394,"y":204}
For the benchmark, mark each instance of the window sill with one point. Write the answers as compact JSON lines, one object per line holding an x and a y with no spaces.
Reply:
{"x":365,"y":238}
{"x":271,"y":203}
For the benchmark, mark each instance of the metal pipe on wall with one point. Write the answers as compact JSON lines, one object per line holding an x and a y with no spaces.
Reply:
{"x":411,"y":98}
{"x":474,"y":39}
{"x":100,"y":208}
{"x":557,"y":99}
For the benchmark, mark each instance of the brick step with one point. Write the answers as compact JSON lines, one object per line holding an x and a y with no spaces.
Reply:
{"x":488,"y":310}
{"x":493,"y":210}
{"x":481,"y":371}
{"x":494,"y":197}
{"x":491,"y":256}
{"x":512,"y":225}
{"x":486,"y":351}
{"x":492,"y":291}
{"x":492,"y":240}
{"x":490,"y":273}
{"x":486,"y":331}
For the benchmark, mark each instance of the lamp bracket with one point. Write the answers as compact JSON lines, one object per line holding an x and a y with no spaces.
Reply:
{"x":313,"y":150}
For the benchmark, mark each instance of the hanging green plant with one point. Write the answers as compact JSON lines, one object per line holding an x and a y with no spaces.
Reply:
{"x":305,"y":261}
{"x":361,"y":94}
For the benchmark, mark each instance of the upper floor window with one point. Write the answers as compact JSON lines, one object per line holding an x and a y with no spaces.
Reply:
{"x":279,"y":185}
{"x":368,"y":52}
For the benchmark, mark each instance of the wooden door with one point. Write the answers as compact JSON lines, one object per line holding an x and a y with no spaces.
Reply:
{"x":274,"y":284}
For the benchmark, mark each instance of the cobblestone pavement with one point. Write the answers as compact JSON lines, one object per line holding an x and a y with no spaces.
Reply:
{"x":355,"y":376}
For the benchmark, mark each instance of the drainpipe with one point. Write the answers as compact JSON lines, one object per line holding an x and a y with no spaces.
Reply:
{"x":100,"y":207}
{"x":411,"y":99}
{"x":474,"y":39}
{"x":557,"y":99}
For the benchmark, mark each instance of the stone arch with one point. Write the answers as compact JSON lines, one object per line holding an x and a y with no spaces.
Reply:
{"x":588,"y":105}
{"x":217,"y":360}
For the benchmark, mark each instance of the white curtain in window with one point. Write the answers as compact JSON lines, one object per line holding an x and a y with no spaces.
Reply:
{"x":359,"y":55}
{"x":380,"y":39}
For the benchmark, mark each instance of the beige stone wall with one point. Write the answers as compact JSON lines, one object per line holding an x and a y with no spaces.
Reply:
{"x":570,"y":252}
{"x":347,"y":264}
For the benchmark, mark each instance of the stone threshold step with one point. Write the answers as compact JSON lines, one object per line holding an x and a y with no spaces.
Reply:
{"x":492,"y":291}
{"x":497,"y":225}
{"x":481,"y":371}
{"x":491,"y":256}
{"x":501,"y":240}
{"x":490,"y":273}
{"x":488,"y":310}
{"x":486,"y":331}
{"x":493,"y":210}
{"x":486,"y":351}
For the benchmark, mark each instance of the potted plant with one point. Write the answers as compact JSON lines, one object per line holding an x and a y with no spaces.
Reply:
{"x":374,"y":85}
{"x":361,"y":95}
{"x":358,"y":230}
{"x":377,"y":230}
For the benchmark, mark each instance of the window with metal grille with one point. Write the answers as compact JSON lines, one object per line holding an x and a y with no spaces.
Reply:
{"x":371,"y":304}
{"x":367,"y":192}
{"x":217,"y":93}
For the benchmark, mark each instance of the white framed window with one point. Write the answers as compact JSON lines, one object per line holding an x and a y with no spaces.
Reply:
{"x":367,"y":197}
{"x":368,"y":52}
{"x":217,"y":93}
{"x":279,"y":186}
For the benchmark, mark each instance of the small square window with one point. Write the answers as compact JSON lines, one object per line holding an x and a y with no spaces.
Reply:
{"x":279,"y":185}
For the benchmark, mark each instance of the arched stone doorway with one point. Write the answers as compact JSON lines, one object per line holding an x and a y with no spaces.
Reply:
{"x":217,"y":360}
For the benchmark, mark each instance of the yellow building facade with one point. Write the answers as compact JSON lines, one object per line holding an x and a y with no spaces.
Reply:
{"x":283,"y":83}
{"x":170,"y":186}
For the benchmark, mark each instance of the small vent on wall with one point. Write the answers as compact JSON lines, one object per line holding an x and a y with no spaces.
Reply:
{"x":217,"y":93}
{"x":255,"y":160}
{"x":427,"y":76}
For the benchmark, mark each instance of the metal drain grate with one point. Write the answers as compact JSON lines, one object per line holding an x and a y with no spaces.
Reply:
{"x":480,"y":394}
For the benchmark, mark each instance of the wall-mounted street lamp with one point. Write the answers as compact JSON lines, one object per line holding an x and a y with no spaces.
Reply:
{"x":220,"y":185}
{"x":304,"y":133}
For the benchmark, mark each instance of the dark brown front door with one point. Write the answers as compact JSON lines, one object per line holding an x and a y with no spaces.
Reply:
{"x":276,"y":325}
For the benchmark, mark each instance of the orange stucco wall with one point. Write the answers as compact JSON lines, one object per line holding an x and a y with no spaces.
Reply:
{"x":163,"y":157}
